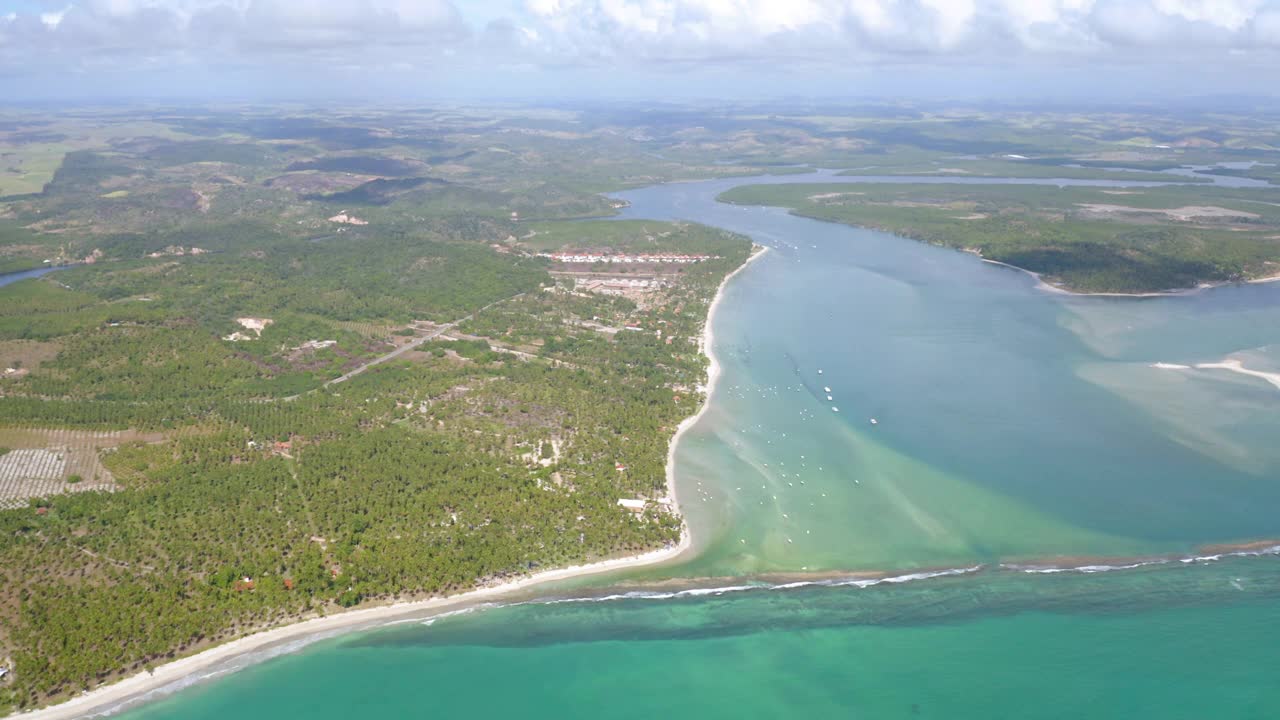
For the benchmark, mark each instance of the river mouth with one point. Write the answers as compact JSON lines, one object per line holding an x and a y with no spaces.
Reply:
{"x":1031,"y":473}
{"x":886,"y":406}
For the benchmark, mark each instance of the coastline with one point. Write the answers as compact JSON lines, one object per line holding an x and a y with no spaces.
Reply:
{"x":708,"y":337}
{"x":713,"y":377}
{"x":1042,"y":284}
{"x":180,"y":672}
{"x":252,"y":649}
{"x":1057,"y":290}
{"x":110,"y":697}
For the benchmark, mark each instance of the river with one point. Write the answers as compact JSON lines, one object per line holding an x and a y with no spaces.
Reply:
{"x":1017,"y":432}
{"x":13,"y":277}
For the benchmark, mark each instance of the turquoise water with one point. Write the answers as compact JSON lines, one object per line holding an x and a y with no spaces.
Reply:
{"x":1013,"y":426}
{"x":1172,"y":645}
{"x":1011,"y":422}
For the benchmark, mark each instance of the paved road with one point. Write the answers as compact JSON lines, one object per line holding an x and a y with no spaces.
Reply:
{"x":415,"y":343}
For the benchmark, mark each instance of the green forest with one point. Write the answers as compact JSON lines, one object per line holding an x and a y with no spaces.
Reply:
{"x":498,"y":445}
{"x":416,"y":478}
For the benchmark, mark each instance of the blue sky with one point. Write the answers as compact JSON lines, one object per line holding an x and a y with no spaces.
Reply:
{"x":1000,"y":49}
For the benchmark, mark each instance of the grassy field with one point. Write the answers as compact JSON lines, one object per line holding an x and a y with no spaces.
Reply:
{"x":26,"y":168}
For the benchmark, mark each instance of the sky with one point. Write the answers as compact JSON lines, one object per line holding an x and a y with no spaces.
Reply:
{"x":1107,"y":50}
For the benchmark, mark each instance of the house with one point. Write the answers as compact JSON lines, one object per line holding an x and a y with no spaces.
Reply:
{"x":635,"y":505}
{"x":344,"y":218}
{"x":582,"y":257}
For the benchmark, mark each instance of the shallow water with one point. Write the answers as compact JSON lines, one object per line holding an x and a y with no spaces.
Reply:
{"x":1010,"y":421}
{"x":1013,"y":425}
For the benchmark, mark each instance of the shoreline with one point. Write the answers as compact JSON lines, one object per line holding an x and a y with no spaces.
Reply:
{"x":1041,"y":283}
{"x":1044,"y":286}
{"x":713,"y":378}
{"x":118,"y":696}
{"x":1048,"y":287}
{"x":188,"y":670}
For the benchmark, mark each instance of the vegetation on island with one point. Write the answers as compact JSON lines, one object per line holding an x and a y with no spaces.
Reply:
{"x":1083,"y":238}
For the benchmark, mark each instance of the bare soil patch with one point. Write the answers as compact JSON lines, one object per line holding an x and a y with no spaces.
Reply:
{"x":832,"y":195}
{"x":26,"y":354}
{"x":1186,"y":213}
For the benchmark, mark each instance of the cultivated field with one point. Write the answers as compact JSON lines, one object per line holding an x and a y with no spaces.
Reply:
{"x":40,"y":461}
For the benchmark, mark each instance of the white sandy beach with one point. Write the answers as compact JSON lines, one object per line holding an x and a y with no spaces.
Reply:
{"x":713,"y":377}
{"x":109,"y":697}
{"x":101,"y":699}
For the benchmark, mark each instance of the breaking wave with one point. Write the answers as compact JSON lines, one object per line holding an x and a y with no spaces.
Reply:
{"x":1146,"y":562}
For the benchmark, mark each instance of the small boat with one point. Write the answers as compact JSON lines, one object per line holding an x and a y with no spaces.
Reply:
{"x":835,"y":409}
{"x":819,"y":371}
{"x":826,"y":389}
{"x":830,"y":398}
{"x":874,"y":421}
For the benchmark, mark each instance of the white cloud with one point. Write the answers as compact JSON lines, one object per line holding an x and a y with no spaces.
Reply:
{"x":708,"y":28}
{"x":142,"y":29}
{"x":347,"y":33}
